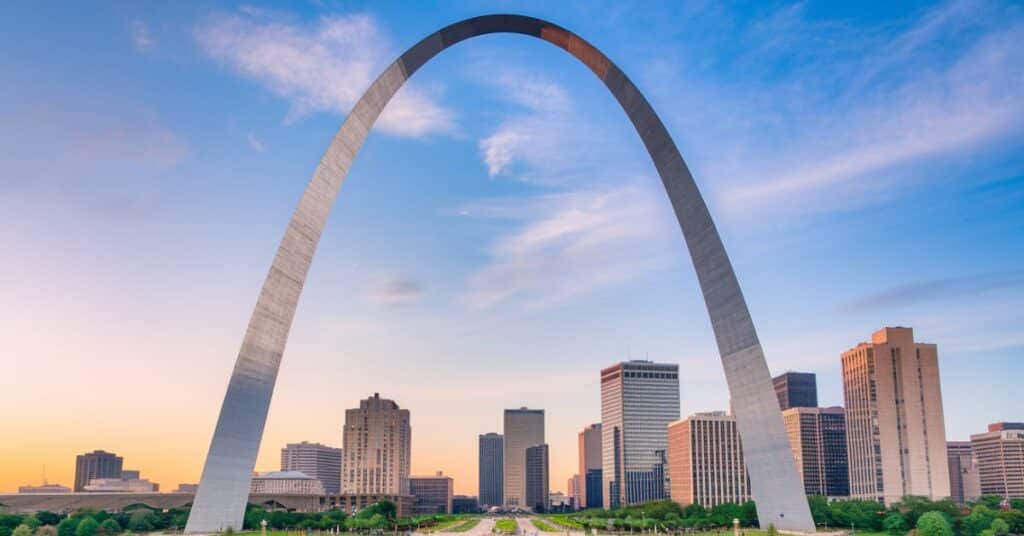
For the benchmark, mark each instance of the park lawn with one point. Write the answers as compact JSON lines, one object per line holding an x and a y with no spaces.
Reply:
{"x":565,"y":521}
{"x":506,"y":525}
{"x":543,"y":525}
{"x":465,"y":525}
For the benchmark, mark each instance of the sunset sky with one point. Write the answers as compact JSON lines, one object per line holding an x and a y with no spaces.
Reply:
{"x":503,"y":235}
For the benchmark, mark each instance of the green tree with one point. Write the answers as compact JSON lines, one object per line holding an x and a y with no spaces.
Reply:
{"x":32,"y":522}
{"x":140,"y":521}
{"x":48,"y":518}
{"x":110,"y":527}
{"x":22,"y":530}
{"x":67,"y":527}
{"x":991,"y":501}
{"x":1014,"y":519}
{"x":894,"y":523}
{"x":979,"y":519}
{"x":820,"y":510}
{"x":933,"y":524}
{"x":1000,"y":527}
{"x":87,"y":527}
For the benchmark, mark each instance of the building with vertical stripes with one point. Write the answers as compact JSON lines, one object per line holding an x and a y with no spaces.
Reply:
{"x":313,"y":459}
{"x":1000,"y":456}
{"x":589,"y":491}
{"x":638,"y":401}
{"x":896,"y":435}
{"x":964,"y":481}
{"x":705,"y":461}
{"x":490,"y":487}
{"x":818,"y":439}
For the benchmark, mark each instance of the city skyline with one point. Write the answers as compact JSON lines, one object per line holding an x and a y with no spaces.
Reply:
{"x":134,"y":298}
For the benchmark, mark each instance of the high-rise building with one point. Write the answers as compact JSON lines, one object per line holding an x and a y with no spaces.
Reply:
{"x":705,"y":461}
{"x":537,"y":478}
{"x":318,"y":461}
{"x":638,"y":401}
{"x":895,"y":434}
{"x":524,"y":428}
{"x":572,"y":487}
{"x":818,"y":439}
{"x":1000,"y":457}
{"x":432,"y":494}
{"x":376,"y":444}
{"x":964,"y":480}
{"x":796,"y":390}
{"x":285,"y":483}
{"x":589,"y":492}
{"x":490,"y":490}
{"x":96,"y":464}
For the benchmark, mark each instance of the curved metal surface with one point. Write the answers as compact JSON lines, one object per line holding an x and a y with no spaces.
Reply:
{"x":224,"y":487}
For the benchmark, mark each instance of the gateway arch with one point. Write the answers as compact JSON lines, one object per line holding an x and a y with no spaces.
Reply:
{"x":774,"y":481}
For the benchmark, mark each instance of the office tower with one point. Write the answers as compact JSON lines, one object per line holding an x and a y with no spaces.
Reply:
{"x":96,"y":464}
{"x":705,"y":461}
{"x":964,"y":480}
{"x":376,"y":444}
{"x":1000,"y":457}
{"x":432,"y":494}
{"x":491,"y":477}
{"x":638,"y":401}
{"x":796,"y":390}
{"x":589,"y":492}
{"x":318,"y":461}
{"x":895,"y":434}
{"x":285,"y":483}
{"x":572,"y":487}
{"x":818,"y":439}
{"x":524,"y":428}
{"x":537,"y":478}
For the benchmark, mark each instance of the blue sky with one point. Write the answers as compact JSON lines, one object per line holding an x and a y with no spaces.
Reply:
{"x":503,"y":235}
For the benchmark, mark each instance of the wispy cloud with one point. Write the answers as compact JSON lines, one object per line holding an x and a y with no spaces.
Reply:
{"x":255,"y":143}
{"x":567,"y":244}
{"x":545,"y":141}
{"x":141,"y":36}
{"x":815,"y":115}
{"x":396,"y":292}
{"x":913,"y":293}
{"x":321,"y":67}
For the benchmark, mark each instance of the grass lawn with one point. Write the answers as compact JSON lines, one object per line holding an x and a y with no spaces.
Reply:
{"x":508,"y":526}
{"x":543,"y":526}
{"x":465,"y":525}
{"x":563,"y":520}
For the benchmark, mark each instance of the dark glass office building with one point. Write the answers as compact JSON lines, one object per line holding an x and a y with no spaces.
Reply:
{"x":796,"y":390}
{"x":492,"y":470}
{"x":96,"y":464}
{"x":537,"y":478}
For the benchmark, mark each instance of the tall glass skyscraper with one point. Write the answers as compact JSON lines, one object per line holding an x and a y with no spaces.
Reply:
{"x":491,"y":476}
{"x":638,"y":401}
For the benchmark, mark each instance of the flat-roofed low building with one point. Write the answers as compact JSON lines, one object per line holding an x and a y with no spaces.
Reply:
{"x":1000,"y":456}
{"x":432,"y":494}
{"x":465,"y":504}
{"x":44,"y":488}
{"x":286,"y":483}
{"x":705,"y":461}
